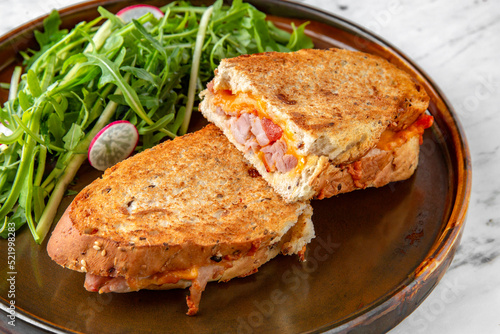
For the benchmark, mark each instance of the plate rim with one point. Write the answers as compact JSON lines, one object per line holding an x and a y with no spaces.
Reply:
{"x":447,"y":240}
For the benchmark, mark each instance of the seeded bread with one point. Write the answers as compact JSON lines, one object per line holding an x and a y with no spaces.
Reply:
{"x":335,"y":103}
{"x":185,"y":203}
{"x":320,"y":178}
{"x":376,"y":169}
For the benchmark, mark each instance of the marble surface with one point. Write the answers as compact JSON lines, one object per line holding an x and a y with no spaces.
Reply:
{"x":458,"y":44}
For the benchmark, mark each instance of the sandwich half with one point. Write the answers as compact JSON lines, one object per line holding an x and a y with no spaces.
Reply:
{"x":186,"y":212}
{"x":316,"y":123}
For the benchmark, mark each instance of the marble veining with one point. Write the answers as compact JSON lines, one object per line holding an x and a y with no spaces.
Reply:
{"x":476,"y":252}
{"x":458,"y":44}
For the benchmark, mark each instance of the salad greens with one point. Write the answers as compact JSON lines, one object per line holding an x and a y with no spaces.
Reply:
{"x":148,"y":72}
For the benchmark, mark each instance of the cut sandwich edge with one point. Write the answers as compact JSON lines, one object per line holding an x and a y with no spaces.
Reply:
{"x":295,"y":186}
{"x":320,"y":177}
{"x":247,"y":75}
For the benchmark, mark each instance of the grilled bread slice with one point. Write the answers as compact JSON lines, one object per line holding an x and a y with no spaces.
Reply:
{"x":183,"y":213}
{"x":295,"y":114}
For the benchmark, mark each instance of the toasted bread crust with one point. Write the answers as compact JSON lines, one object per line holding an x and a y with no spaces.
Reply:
{"x":336,"y":102}
{"x":376,"y":169}
{"x":321,"y":178}
{"x":173,"y":207}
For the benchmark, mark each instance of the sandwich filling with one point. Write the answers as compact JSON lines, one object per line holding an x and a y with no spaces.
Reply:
{"x":216,"y":268}
{"x":273,"y":143}
{"x":256,"y":132}
{"x":196,"y":278}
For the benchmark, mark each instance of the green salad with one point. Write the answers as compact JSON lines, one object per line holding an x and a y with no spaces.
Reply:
{"x":148,"y":71}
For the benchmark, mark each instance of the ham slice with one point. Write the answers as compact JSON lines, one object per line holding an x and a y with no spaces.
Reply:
{"x":240,"y":127}
{"x":94,"y":282}
{"x":277,"y":159}
{"x":121,"y":284}
{"x":274,"y":152}
{"x":251,"y":144}
{"x":258,"y":131}
{"x":287,"y":163}
{"x":198,"y":285}
{"x":117,"y":284}
{"x":104,"y":284}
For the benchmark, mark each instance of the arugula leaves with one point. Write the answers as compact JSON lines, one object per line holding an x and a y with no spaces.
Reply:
{"x":148,"y":72}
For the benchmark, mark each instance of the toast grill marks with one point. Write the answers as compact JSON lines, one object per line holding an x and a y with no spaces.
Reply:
{"x":248,"y":121}
{"x":332,"y":106}
{"x":194,"y":211}
{"x":335,"y":102}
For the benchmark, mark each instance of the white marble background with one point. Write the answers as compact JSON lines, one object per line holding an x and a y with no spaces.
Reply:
{"x":458,"y":44}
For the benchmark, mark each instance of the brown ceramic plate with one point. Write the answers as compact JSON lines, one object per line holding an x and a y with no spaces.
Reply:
{"x":377,"y":255}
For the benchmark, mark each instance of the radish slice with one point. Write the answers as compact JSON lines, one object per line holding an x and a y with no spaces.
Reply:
{"x":134,"y":12}
{"x":115,"y":142}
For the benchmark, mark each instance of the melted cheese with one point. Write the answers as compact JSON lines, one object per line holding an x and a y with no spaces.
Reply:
{"x":390,"y":140}
{"x":169,"y":277}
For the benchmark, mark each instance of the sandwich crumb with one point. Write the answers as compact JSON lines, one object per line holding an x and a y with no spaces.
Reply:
{"x":253,"y":172}
{"x":216,"y":258}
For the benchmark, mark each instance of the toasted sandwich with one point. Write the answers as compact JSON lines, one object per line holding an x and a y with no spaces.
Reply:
{"x":316,"y":123}
{"x":179,"y":215}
